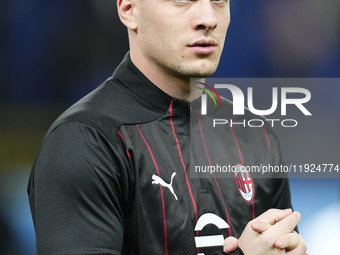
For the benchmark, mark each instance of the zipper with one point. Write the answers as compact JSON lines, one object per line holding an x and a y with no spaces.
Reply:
{"x":194,"y":152}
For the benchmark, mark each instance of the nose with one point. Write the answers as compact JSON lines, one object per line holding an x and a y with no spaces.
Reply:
{"x":205,"y":18}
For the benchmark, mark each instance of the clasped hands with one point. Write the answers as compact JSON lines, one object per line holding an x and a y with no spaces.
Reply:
{"x":271,"y":233}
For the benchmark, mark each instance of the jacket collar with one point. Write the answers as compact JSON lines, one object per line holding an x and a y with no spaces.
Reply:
{"x":128,"y":75}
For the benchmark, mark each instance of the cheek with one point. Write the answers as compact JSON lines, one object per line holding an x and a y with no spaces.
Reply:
{"x":155,"y":43}
{"x":223,"y":30}
{"x":223,"y":20}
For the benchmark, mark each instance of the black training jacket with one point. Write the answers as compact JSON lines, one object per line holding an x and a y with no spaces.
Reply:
{"x":113,"y":174}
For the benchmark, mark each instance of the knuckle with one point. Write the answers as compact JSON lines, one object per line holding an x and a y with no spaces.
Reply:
{"x":229,"y":239}
{"x":250,"y":223}
{"x":303,"y":245}
{"x":290,"y":225}
{"x":286,"y":239}
{"x":303,"y":248}
{"x":267,"y":242}
{"x":272,"y":210}
{"x":255,"y":222}
{"x":272,"y":215}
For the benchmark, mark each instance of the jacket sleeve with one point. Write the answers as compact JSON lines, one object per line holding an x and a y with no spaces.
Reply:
{"x":281,"y":188}
{"x":77,"y":190}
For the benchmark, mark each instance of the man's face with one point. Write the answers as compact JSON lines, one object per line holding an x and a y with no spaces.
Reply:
{"x":182,"y":37}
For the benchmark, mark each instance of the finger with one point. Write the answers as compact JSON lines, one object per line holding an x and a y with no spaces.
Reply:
{"x":230,"y":244}
{"x":300,"y":249}
{"x":272,"y":216}
{"x":285,"y":226}
{"x":260,"y":226}
{"x":289,"y":241}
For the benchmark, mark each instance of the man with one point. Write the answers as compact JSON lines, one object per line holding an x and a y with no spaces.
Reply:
{"x":112,"y":174}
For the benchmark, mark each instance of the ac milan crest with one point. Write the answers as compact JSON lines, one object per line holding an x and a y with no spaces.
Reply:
{"x":244,"y":182}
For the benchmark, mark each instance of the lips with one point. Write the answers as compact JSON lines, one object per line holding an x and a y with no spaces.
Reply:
{"x":203,"y":47}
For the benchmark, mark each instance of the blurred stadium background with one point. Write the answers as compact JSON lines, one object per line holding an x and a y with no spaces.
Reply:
{"x":54,"y":52}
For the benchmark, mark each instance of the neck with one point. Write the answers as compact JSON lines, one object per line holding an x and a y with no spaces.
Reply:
{"x":177,"y":87}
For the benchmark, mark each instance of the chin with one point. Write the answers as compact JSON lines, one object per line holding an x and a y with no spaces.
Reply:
{"x":205,"y":71}
{"x":197,"y":69}
{"x":203,"y":74}
{"x":207,"y":68}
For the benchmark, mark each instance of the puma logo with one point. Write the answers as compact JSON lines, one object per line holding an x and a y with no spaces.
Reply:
{"x":158,"y":180}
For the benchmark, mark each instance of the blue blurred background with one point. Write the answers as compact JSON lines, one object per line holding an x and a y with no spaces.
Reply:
{"x":54,"y":52}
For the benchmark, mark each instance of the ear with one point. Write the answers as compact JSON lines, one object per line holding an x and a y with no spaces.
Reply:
{"x":126,"y":13}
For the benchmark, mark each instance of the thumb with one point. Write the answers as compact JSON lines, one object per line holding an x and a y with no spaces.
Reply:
{"x":230,"y":244}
